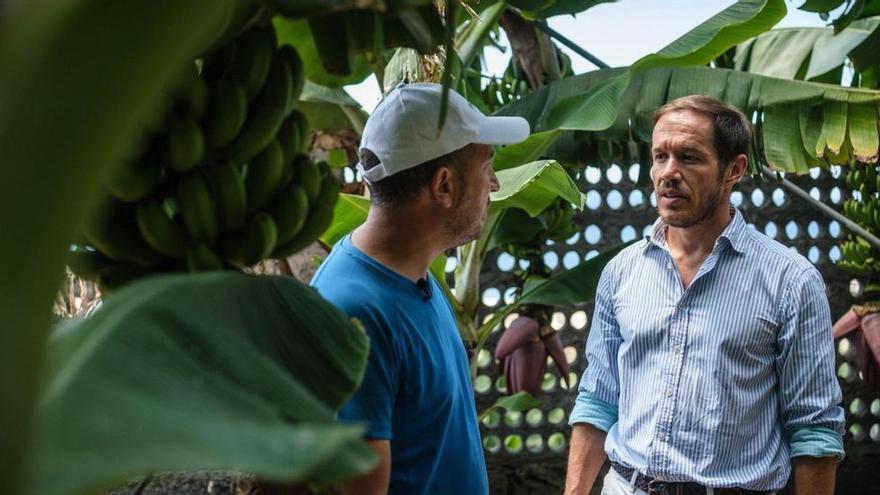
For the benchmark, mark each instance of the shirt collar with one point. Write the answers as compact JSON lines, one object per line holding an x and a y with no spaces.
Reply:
{"x":735,"y":233}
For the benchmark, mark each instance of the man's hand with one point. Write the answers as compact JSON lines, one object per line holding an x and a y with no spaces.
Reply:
{"x":814,"y":475}
{"x":376,"y":481}
{"x":585,"y":458}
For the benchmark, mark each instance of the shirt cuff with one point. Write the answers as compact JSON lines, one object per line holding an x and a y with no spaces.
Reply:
{"x":816,"y":441}
{"x":589,"y":409}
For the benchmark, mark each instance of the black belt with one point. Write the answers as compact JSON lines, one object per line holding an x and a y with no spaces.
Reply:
{"x":657,"y":487}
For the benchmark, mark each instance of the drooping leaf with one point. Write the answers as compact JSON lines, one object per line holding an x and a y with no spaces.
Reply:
{"x":533,"y":186}
{"x":825,"y":106}
{"x":570,"y":7}
{"x":862,"y":124}
{"x":78,"y":81}
{"x":212,"y":371}
{"x":783,"y":146}
{"x":405,"y":66}
{"x":527,"y":151}
{"x":350,"y":211}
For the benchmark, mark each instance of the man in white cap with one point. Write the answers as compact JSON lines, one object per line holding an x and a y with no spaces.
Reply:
{"x":429,"y":192}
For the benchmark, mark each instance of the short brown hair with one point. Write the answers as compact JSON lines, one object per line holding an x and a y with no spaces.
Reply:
{"x":731,"y":129}
{"x":403,"y":187}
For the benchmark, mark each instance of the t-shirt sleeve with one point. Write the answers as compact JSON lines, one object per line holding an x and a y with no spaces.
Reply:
{"x":373,"y":402}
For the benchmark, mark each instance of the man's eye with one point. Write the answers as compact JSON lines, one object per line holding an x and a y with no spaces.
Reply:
{"x":659,"y":156}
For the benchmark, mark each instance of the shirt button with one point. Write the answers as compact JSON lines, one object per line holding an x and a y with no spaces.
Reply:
{"x":676,"y":349}
{"x":661,"y":436}
{"x":669,"y":392}
{"x":669,"y":266}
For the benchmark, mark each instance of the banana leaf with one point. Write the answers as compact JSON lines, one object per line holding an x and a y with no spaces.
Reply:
{"x":350,"y":211}
{"x":533,"y":148}
{"x":596,"y":110}
{"x":802,"y":53}
{"x":533,"y":186}
{"x":405,"y":66}
{"x":211,"y":371}
{"x":840,"y":114}
{"x":78,"y":82}
{"x":331,"y":109}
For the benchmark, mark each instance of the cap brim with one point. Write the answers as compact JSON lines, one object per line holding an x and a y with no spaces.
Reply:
{"x":502,"y":130}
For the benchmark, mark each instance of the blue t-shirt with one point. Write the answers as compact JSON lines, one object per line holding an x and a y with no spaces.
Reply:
{"x":416,"y":390}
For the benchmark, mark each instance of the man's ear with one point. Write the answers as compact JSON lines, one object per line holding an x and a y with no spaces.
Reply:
{"x":736,"y":169}
{"x":443,"y":187}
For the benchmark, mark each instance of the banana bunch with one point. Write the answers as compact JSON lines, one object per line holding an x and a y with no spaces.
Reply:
{"x":858,"y":257}
{"x":559,"y":218}
{"x":221,"y":181}
{"x":864,"y":179}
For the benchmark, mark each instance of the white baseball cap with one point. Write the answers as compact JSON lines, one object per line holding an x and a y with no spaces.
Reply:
{"x":403,"y":129}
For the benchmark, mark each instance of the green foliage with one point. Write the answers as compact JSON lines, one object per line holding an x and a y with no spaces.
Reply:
{"x":214,"y":371}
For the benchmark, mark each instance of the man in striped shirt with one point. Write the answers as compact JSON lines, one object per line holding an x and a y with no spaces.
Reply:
{"x":710,"y":356}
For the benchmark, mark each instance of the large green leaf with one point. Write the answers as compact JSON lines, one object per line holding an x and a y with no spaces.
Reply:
{"x":213,"y":371}
{"x":595,"y":110}
{"x":527,"y":151}
{"x":811,"y":107}
{"x":296,"y":32}
{"x":78,"y":80}
{"x":350,"y":211}
{"x":469,"y":42}
{"x":801,"y":53}
{"x":515,"y":226}
{"x":533,"y":186}
{"x":331,"y":109}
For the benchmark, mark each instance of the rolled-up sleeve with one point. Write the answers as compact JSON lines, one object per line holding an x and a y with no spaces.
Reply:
{"x":809,"y":392}
{"x":599,"y":389}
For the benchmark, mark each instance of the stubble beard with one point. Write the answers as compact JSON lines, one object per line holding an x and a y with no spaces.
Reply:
{"x":709,"y":208}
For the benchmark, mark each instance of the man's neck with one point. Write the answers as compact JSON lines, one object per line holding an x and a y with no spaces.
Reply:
{"x":697,"y":241}
{"x":402,"y":241}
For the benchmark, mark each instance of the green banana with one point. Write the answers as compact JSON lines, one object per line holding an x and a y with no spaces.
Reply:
{"x":160,"y":232}
{"x":196,"y":208}
{"x":195,"y":94}
{"x":217,"y":66}
{"x":319,"y":218}
{"x":264,"y":174}
{"x":289,"y":138}
{"x":113,"y":231}
{"x":135,"y":181}
{"x":289,"y":209}
{"x":279,"y":85}
{"x":254,"y":51}
{"x":185,"y":144}
{"x":329,"y":192}
{"x":251,"y":244}
{"x":332,"y":48}
{"x":260,"y":128}
{"x":307,"y":174}
{"x":297,"y":72}
{"x":292,"y":136}
{"x":230,"y":196}
{"x":200,"y":258}
{"x":226,"y":113}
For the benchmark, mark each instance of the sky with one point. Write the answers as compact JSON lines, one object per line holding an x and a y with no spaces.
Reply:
{"x":617,"y":33}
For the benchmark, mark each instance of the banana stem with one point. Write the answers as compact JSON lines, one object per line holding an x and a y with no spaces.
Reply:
{"x":825,"y":209}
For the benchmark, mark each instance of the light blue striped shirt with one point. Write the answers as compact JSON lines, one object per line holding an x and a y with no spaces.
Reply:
{"x":720,"y":383}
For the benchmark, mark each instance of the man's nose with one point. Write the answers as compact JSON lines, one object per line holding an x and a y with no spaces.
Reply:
{"x":668,"y":171}
{"x":493,"y":181}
